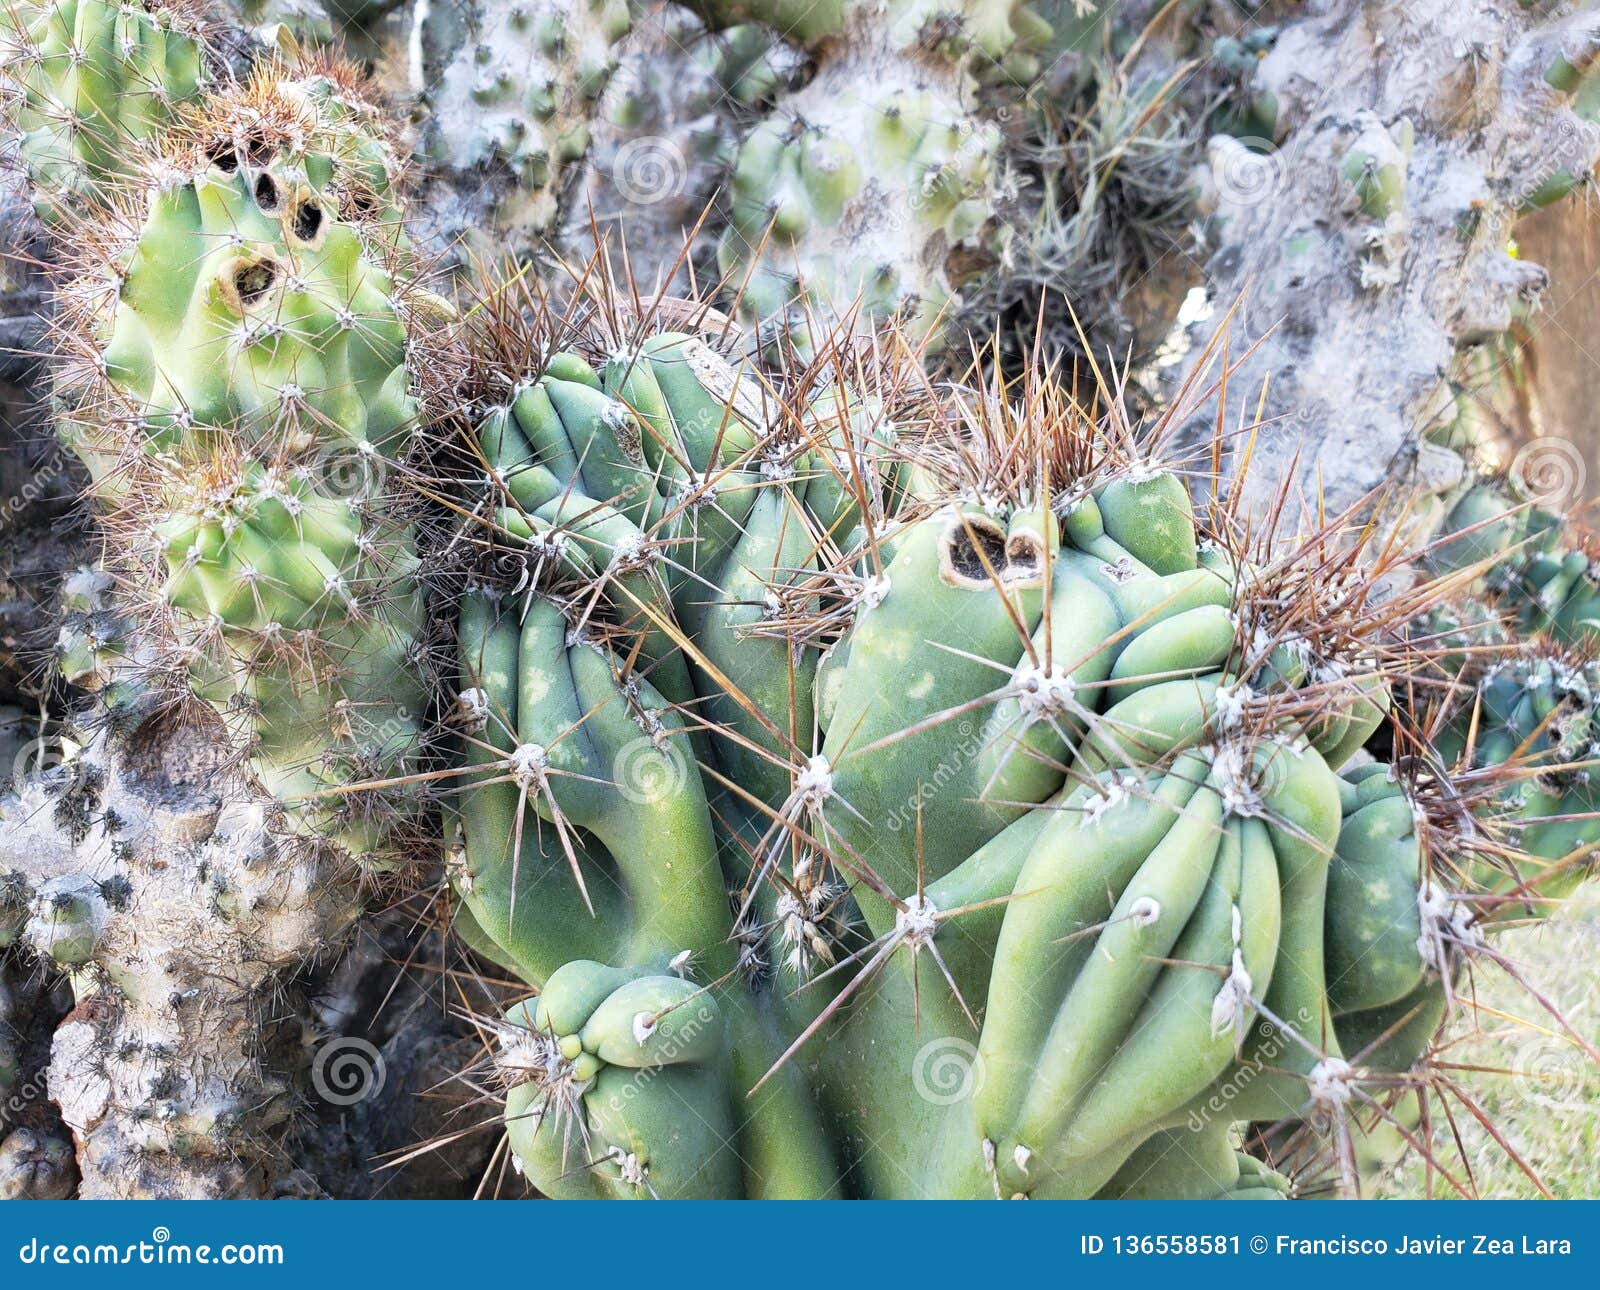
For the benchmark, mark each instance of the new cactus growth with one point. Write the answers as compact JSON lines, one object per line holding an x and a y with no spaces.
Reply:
{"x":1550,"y":581}
{"x":1540,"y":569}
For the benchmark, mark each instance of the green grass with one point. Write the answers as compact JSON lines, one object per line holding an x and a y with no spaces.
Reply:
{"x":1539,"y":1089}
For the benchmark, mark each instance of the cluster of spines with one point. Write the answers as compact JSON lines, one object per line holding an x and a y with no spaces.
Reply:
{"x":94,"y":85}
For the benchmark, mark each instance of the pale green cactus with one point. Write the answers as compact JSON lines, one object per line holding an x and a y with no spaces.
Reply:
{"x":511,"y":91}
{"x":241,"y":389}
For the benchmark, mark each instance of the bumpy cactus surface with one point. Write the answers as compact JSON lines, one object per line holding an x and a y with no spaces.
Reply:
{"x":512,"y":91}
{"x":875,"y":187}
{"x":883,"y":787}
{"x":828,"y":204}
{"x":240,"y":333}
{"x":239,"y":390}
{"x":97,"y":83}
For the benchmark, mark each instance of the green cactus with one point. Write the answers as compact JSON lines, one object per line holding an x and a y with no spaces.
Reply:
{"x":318,"y":116}
{"x":884,"y":788}
{"x":879,"y":180}
{"x":1536,"y":568}
{"x":1539,"y":568}
{"x":880,"y":175}
{"x":875,"y":189}
{"x":1398,"y":932}
{"x":1375,"y":902}
{"x":1519,"y":716}
{"x":246,"y":300}
{"x":1532,"y":716}
{"x":1246,"y":111}
{"x":1181,"y":1165}
{"x":640,"y":1057}
{"x":242,"y":386}
{"x":1375,"y":166}
{"x":730,"y":643}
{"x":97,"y":83}
{"x":1552,"y":584}
{"x":1483,"y":524}
{"x":1185,"y":947}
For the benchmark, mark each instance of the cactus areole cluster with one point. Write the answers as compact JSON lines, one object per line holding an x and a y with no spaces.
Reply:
{"x":859,"y":782}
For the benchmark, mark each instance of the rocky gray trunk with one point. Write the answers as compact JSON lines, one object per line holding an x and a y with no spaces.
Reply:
{"x":1370,"y":239}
